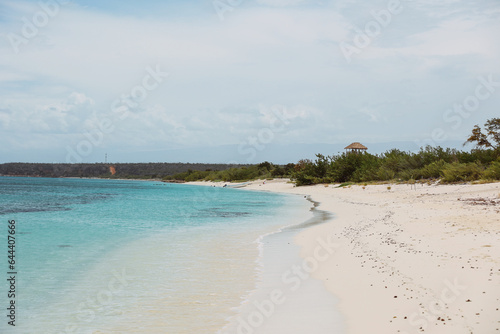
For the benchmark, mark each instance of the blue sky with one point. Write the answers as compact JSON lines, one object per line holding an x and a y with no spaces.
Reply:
{"x":247,"y":80}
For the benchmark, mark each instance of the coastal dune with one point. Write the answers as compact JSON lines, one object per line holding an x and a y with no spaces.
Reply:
{"x":407,"y":259}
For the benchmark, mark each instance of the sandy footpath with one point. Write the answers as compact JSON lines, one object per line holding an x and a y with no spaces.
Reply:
{"x":408,"y":259}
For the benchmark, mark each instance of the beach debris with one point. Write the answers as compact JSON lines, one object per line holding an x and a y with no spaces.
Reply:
{"x":481,"y":201}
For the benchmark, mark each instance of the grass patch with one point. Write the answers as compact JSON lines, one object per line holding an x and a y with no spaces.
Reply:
{"x":345,"y":184}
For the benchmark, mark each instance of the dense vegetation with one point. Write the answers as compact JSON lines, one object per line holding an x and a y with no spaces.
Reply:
{"x":263,"y":170}
{"x":449,"y":165}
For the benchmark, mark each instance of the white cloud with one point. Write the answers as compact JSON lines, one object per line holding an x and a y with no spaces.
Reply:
{"x":68,"y":116}
{"x":224,"y":76}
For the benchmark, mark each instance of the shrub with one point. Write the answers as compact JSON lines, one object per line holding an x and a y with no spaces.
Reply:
{"x":303,"y":172}
{"x":432,"y":170}
{"x":432,"y":154}
{"x":460,"y":172}
{"x":343,"y":167}
{"x":483,"y":156}
{"x":385,"y":174}
{"x":429,"y":163}
{"x":302,"y":179}
{"x":493,"y":171}
{"x":367,"y":171}
{"x":410,"y":174}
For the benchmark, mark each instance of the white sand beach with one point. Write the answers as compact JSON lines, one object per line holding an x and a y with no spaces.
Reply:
{"x":405,"y":259}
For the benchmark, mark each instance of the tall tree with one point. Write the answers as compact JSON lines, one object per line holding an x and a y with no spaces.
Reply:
{"x":490,"y":139}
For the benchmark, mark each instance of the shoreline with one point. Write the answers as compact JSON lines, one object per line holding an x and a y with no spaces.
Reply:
{"x":275,"y":304}
{"x":410,"y":259}
{"x":183,"y":279}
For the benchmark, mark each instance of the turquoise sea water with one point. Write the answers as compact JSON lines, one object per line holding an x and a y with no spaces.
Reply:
{"x":112,"y":256}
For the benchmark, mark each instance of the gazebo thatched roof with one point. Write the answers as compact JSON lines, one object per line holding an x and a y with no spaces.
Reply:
{"x":356,"y":146}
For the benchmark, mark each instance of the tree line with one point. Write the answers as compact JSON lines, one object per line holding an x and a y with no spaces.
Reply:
{"x":264,"y":170}
{"x":446,"y":164}
{"x":101,"y":170}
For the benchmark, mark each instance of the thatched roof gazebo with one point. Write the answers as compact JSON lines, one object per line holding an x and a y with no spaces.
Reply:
{"x":355,"y":148}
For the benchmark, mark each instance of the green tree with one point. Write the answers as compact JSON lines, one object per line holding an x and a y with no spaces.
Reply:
{"x":265,"y":165}
{"x":343,"y":167}
{"x":303,"y":172}
{"x":490,"y":139}
{"x":321,"y":166}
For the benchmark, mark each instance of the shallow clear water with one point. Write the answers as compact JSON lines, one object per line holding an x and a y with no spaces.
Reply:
{"x":112,"y":256}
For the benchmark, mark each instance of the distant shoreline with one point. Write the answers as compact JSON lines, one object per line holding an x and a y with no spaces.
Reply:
{"x":107,"y":170}
{"x":83,"y":178}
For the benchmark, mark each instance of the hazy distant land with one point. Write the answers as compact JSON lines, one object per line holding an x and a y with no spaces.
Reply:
{"x":103,"y":170}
